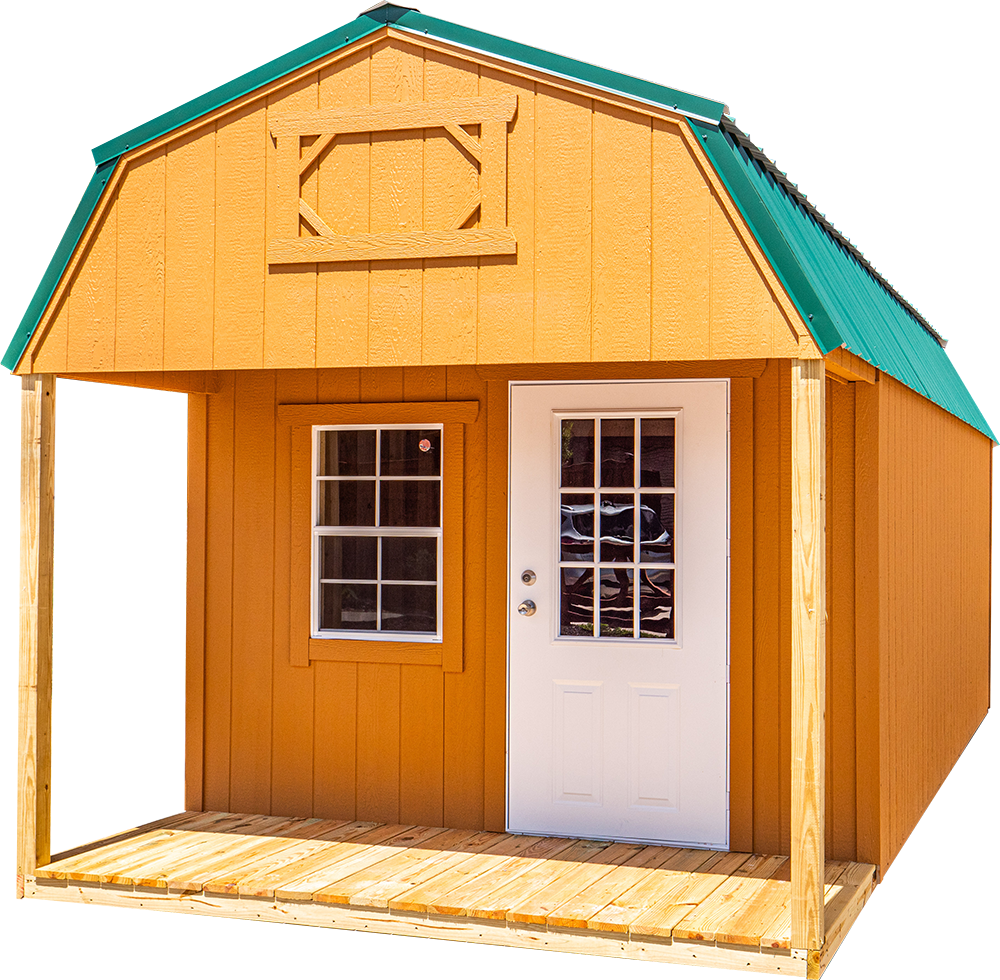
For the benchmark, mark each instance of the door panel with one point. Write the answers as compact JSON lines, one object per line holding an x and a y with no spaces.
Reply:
{"x":578,"y":737}
{"x":617,"y":674}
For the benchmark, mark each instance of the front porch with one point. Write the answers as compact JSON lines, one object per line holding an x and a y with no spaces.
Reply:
{"x":667,"y":904}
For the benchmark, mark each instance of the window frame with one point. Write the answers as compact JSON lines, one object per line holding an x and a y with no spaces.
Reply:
{"x":304,"y":648}
{"x":378,"y":532}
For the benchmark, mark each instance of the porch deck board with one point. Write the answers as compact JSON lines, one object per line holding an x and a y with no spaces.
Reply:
{"x":630,"y":899}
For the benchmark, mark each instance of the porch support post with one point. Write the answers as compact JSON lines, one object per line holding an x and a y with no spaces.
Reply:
{"x":34,"y":692}
{"x":808,"y":652}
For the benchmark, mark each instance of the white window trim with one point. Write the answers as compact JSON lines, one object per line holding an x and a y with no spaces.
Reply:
{"x":319,"y":531}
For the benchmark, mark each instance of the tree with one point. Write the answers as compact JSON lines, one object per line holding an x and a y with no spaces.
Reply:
{"x":738,"y":19}
{"x":25,"y":26}
{"x":915,"y":110}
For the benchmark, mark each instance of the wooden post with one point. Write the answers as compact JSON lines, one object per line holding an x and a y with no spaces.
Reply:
{"x":808,"y":652}
{"x":34,"y":691}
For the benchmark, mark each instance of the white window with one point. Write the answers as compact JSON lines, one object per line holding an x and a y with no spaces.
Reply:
{"x":377,"y":560}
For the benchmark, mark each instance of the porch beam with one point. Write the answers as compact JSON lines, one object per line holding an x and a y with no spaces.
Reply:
{"x":808,"y":379}
{"x":34,"y":691}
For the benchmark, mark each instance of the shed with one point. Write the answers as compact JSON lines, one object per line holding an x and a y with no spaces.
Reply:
{"x":456,"y":317}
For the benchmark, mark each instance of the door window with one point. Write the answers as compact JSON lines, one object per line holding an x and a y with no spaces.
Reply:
{"x":617,"y":507}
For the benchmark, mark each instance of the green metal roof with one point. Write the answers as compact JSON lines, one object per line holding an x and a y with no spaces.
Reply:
{"x":842,"y":298}
{"x":979,"y":370}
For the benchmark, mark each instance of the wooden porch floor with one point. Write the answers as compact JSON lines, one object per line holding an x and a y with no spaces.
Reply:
{"x":648,"y":902}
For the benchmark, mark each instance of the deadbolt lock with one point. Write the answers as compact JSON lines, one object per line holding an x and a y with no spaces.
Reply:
{"x":528,"y":577}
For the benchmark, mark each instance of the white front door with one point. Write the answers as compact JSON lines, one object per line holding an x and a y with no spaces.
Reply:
{"x":618,"y":612}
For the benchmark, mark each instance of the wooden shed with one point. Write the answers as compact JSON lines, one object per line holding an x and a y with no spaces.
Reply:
{"x":560,"y":484}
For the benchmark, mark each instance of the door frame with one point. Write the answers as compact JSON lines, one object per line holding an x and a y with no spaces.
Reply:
{"x":555,"y":382}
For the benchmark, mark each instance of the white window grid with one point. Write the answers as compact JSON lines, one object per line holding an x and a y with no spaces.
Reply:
{"x":636,"y":565}
{"x":347,"y":531}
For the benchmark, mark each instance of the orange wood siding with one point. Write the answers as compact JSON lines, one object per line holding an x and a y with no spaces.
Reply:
{"x":628,"y":248}
{"x":934,"y":600}
{"x":411,"y":743}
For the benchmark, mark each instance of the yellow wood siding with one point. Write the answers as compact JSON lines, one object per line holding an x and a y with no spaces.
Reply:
{"x":628,"y":247}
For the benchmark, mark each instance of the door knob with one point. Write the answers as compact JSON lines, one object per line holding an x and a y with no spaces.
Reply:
{"x":526,"y":608}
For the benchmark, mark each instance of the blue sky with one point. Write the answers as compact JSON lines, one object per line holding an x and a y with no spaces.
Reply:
{"x":796,"y":28}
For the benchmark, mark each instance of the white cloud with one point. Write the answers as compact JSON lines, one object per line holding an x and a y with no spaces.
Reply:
{"x":48,"y":86}
{"x":792,"y":28}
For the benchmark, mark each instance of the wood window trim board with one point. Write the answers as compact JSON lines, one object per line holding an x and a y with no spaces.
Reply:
{"x":304,"y":648}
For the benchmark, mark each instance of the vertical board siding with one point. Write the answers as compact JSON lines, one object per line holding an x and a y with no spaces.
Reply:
{"x":140,"y":266}
{"x":563,"y":208}
{"x":397,"y":168}
{"x":289,"y":291}
{"x":841,"y":789}
{"x":253,"y":581}
{"x":622,"y":236}
{"x":627,"y":248}
{"x":421,"y":688}
{"x":293,"y":722}
{"x":464,"y":717}
{"x":240,"y":179}
{"x":92,"y":301}
{"x":770,"y":534}
{"x":450,"y":180}
{"x":935,"y":600}
{"x":335,"y":705}
{"x":219,"y":595}
{"x":741,"y":617}
{"x":189,"y":249}
{"x":343,"y":199}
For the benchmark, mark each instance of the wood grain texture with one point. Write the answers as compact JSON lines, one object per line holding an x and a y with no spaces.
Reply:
{"x":511,"y":240}
{"x":34,"y":688}
{"x":253,"y":580}
{"x":343,"y":189}
{"x":871,"y":689}
{"x":289,"y":293}
{"x":219,"y":596}
{"x":292,"y":698}
{"x":240,"y":174}
{"x":450,"y":180}
{"x":506,"y":288}
{"x":91,"y":299}
{"x":841,"y":741}
{"x":427,"y":113}
{"x":622,"y":235}
{"x":495,"y":619}
{"x":935,"y":658}
{"x":395,"y":288}
{"x":564,"y":209}
{"x":140,"y":266}
{"x":808,"y":432}
{"x":385,"y":413}
{"x":50,"y":357}
{"x":406,"y":246}
{"x":194,"y":672}
{"x":592,"y":891}
{"x":741,"y":615}
{"x":464,"y":753}
{"x":189,"y":250}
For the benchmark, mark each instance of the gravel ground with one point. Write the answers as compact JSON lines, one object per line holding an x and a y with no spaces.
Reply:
{"x":7,"y":972}
{"x":945,"y":948}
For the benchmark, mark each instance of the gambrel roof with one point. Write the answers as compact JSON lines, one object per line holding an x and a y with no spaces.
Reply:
{"x":840,"y":296}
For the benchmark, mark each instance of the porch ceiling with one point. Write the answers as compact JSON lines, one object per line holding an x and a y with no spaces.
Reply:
{"x":622,"y":899}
